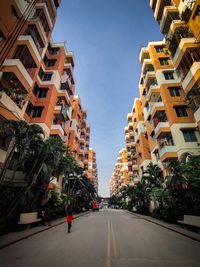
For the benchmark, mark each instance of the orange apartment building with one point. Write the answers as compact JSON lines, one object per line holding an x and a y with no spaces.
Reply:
{"x":169,"y":91}
{"x":121,"y":174}
{"x":180,"y":23}
{"x":36,"y":76}
{"x":79,"y":136}
{"x":137,"y":144}
{"x":92,"y":172}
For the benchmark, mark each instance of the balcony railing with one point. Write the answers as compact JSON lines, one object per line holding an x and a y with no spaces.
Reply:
{"x":180,"y":32}
{"x":194,"y":103}
{"x":13,"y":88}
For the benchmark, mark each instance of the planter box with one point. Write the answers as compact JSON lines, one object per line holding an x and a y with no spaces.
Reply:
{"x":28,"y":218}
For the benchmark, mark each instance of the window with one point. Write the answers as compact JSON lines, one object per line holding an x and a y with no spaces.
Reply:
{"x":181,"y":112}
{"x":189,"y":135}
{"x":174,"y":91}
{"x":51,"y":63}
{"x":29,"y":108}
{"x":25,"y":57}
{"x":40,"y":92}
{"x":37,"y":112}
{"x":168,"y":75}
{"x":40,"y":14}
{"x":44,"y":76}
{"x":33,"y":32}
{"x":164,"y":61}
{"x":53,"y":51}
{"x":159,"y":49}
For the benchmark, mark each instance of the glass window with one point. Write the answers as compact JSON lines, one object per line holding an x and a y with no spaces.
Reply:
{"x":181,"y":112}
{"x":174,"y":91}
{"x":159,"y":49}
{"x":168,"y":75}
{"x":164,"y":61}
{"x":40,"y":92}
{"x":37,"y":112}
{"x":189,"y":135}
{"x":44,"y":76}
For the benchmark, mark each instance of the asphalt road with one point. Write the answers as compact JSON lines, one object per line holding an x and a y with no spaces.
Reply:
{"x":107,"y":238}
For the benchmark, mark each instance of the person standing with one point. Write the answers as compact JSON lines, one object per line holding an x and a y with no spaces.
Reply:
{"x":69,"y":219}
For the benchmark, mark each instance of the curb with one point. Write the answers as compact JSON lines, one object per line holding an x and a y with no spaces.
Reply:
{"x":40,"y":231}
{"x":166,"y":227}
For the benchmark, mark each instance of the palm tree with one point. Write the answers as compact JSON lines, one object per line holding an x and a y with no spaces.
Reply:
{"x":25,"y":139}
{"x":153,"y":176}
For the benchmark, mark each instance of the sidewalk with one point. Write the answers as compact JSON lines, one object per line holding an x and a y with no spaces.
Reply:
{"x":11,"y":238}
{"x":173,"y":227}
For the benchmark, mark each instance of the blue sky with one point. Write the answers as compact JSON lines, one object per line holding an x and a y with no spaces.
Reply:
{"x":106,"y":37}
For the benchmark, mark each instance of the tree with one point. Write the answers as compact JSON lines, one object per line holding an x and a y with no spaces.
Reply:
{"x":25,"y":140}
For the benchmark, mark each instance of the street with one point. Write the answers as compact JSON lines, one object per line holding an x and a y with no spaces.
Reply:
{"x":106,"y":238}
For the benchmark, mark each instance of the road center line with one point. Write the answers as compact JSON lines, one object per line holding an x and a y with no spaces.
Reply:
{"x":108,"y":246}
{"x":113,"y":240}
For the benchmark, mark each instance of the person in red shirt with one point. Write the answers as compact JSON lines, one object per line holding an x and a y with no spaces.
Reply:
{"x":69,"y":219}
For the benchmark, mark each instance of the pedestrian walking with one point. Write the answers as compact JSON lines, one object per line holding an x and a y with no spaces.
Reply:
{"x":69,"y":219}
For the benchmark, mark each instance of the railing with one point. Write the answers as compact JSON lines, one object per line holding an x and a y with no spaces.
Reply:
{"x":180,"y":32}
{"x":194,"y":103}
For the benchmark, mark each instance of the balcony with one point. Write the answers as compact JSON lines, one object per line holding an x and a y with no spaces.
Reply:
{"x":179,"y":34}
{"x":147,"y":66}
{"x":43,"y":15}
{"x":51,"y":10}
{"x":37,"y":36}
{"x":157,"y":106}
{"x":167,"y":149}
{"x":168,"y":153}
{"x":185,"y":8}
{"x":194,"y":101}
{"x":28,"y":41}
{"x":12,"y":87}
{"x":15,"y":66}
{"x":170,"y":13}
{"x":161,"y":126}
{"x":159,"y":8}
{"x":148,"y":77}
{"x":58,"y":129}
{"x":22,"y":53}
{"x":189,"y":73}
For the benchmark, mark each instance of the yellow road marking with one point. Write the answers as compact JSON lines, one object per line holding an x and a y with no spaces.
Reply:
{"x":108,"y":247}
{"x":113,"y":241}
{"x":111,"y":244}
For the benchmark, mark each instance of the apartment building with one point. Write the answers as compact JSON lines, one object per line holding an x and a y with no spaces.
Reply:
{"x":79,"y":136}
{"x":36,"y":74}
{"x":163,"y":124}
{"x":121,"y":174}
{"x":137,"y":145}
{"x":92,"y":172}
{"x":36,"y":77}
{"x":180,"y":23}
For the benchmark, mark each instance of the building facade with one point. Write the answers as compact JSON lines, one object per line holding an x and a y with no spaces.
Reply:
{"x":92,"y":171}
{"x":163,"y":124}
{"x":36,"y":76}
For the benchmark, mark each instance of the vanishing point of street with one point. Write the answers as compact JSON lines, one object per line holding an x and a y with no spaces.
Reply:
{"x":106,"y":238}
